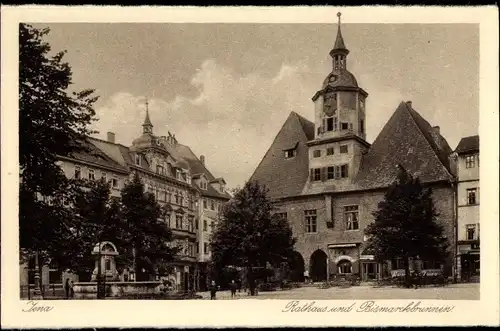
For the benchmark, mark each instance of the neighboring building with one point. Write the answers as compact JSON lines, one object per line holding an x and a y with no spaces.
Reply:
{"x":181,"y":184}
{"x":467,"y":154}
{"x":326,"y":179}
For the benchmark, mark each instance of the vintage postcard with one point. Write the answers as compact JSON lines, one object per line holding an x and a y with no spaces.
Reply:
{"x":246,"y":166}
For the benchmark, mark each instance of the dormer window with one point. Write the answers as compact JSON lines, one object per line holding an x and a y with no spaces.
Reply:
{"x":160,"y":170}
{"x":289,"y":153}
{"x":137,"y":159}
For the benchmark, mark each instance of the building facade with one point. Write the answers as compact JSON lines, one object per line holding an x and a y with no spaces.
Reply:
{"x":468,"y":259}
{"x":327,"y":180}
{"x":181,"y":184}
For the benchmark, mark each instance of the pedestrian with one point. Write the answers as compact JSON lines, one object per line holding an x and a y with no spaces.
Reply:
{"x":71,"y":290}
{"x":213,"y":290}
{"x":67,"y":288}
{"x":233,"y":286}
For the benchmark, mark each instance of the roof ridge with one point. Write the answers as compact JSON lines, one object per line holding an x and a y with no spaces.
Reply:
{"x":412,"y":113}
{"x":275,"y":137}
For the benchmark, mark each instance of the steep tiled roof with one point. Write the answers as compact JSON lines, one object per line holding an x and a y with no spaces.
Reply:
{"x":286,"y":177}
{"x":468,"y":144}
{"x":93,"y":154}
{"x":406,"y":139}
{"x":197,"y":167}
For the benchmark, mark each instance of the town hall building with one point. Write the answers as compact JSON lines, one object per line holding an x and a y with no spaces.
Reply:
{"x":327,"y":180}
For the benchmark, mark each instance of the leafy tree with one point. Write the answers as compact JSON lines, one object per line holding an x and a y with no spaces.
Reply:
{"x":250,"y":235}
{"x":52,"y":121}
{"x":406,"y":225}
{"x":147,"y":237}
{"x":96,"y":219}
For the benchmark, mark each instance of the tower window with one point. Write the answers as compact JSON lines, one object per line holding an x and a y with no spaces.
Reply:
{"x":361,"y":126}
{"x":343,"y":149}
{"x":344,"y":126}
{"x":316,"y":174}
{"x":317,"y":153}
{"x":362,"y":104}
{"x":137,"y":159}
{"x":471,"y":196}
{"x":329,"y":124}
{"x":330,"y":173}
{"x":329,"y":151}
{"x":344,"y":171}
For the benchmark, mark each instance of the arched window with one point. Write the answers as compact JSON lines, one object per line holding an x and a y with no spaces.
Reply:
{"x":344,"y":267}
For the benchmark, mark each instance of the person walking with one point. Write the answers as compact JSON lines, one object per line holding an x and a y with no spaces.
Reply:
{"x":213,"y":290}
{"x":67,"y":288}
{"x":233,"y":286}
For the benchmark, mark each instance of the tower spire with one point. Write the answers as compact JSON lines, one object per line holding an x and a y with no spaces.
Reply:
{"x":339,"y":51}
{"x":147,"y":126}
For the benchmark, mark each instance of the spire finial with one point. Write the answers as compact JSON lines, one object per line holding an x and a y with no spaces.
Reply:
{"x":338,"y":15}
{"x":147,"y":126}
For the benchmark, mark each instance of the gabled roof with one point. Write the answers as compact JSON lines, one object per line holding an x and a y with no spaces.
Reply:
{"x":286,"y":177}
{"x":468,"y":145}
{"x":198,"y":168}
{"x":93,"y":154}
{"x":406,"y":139}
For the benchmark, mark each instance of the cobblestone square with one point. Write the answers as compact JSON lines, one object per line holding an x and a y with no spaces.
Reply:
{"x":450,"y":292}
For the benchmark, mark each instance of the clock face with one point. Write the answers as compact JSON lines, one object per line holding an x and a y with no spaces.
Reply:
{"x":333,"y":78}
{"x":330,"y":105}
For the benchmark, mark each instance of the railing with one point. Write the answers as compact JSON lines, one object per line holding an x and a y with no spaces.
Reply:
{"x":48,"y":290}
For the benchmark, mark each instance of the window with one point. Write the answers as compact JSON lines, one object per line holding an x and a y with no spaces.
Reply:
{"x":181,"y":200}
{"x":317,"y":153}
{"x":344,"y":173}
{"x":345,"y":267}
{"x":196,"y":226}
{"x":176,"y":198}
{"x":205,"y":204}
{"x":330,"y":173}
{"x":471,"y":231}
{"x":310,"y":216}
{"x":205,"y":225}
{"x":161,"y":195}
{"x":212,"y":225}
{"x":212,"y":205}
{"x":343,"y":149}
{"x":104,"y":177}
{"x":315,"y":174}
{"x":329,"y":124}
{"x":78,"y":173}
{"x":282,"y":215}
{"x":108,"y":265}
{"x":470,"y":161}
{"x":334,"y":124}
{"x":362,"y":104}
{"x":178,"y":221}
{"x":337,"y":172}
{"x":197,"y":247}
{"x":205,"y":248}
{"x":167,"y":220}
{"x":114,"y":182}
{"x":160,"y":170}
{"x":343,"y":126}
{"x":471,"y":196}
{"x":350,"y":127}
{"x":361,"y":126}
{"x":330,"y":151}
{"x":91,"y":174}
{"x":191,"y":224}
{"x":289,"y":153}
{"x":137,"y":159}
{"x":351,"y":217}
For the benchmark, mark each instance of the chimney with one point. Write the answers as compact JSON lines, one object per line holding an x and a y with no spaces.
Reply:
{"x":202,"y":159}
{"x":436,"y":129}
{"x":111,"y":137}
{"x":408,"y":103}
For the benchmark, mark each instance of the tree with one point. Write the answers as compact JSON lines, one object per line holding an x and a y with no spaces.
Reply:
{"x":406,"y":225}
{"x":96,"y":219}
{"x":147,"y":237}
{"x":52,"y":121}
{"x":250,"y":235}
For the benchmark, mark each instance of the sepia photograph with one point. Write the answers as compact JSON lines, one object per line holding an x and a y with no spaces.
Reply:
{"x":243,"y":161}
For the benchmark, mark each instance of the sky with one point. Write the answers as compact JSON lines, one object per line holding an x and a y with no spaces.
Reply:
{"x":225,"y":90}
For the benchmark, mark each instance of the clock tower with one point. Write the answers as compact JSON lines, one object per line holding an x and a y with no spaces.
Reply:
{"x":335,"y":153}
